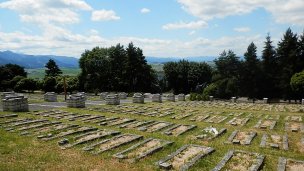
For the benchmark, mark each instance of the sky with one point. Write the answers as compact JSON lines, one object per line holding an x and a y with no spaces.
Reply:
{"x":162,"y":28}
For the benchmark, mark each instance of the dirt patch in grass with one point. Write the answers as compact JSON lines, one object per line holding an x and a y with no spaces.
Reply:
{"x":147,"y":146}
{"x":294,"y":166}
{"x":185,"y":156}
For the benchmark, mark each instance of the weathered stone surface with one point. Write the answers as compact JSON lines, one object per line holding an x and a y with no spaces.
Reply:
{"x":103,"y":95}
{"x":181,"y":97}
{"x":138,"y":98}
{"x":241,"y":161}
{"x":155,"y":126}
{"x":185,"y":157}
{"x":76,"y":101}
{"x":112,"y":143}
{"x":123,"y":95}
{"x":199,"y":118}
{"x":15,"y":103}
{"x":264,"y":124}
{"x":88,"y":137}
{"x":50,"y":97}
{"x":179,"y":129}
{"x":294,"y":126}
{"x":157,"y":98}
{"x":243,"y":138}
{"x":170,"y":97}
{"x":143,"y":149}
{"x":285,"y":164}
{"x":238,"y":121}
{"x":112,"y":100}
{"x":69,"y":132}
{"x":9,"y":116}
{"x":216,"y":119}
{"x":45,"y":131}
{"x":135,"y":124}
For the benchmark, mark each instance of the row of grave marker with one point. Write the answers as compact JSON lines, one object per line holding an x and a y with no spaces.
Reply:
{"x":182,"y":159}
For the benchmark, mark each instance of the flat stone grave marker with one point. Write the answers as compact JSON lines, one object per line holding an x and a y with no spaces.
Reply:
{"x":238,"y":121}
{"x":216,"y":119}
{"x":68,"y":132}
{"x":285,"y":164}
{"x":165,"y":113}
{"x":179,"y":129}
{"x":181,"y":116}
{"x":108,"y":120}
{"x":135,"y":124}
{"x":112,"y":143}
{"x":199,"y":118}
{"x":240,"y":137}
{"x":8,"y":116}
{"x":240,"y":160}
{"x":86,"y":138}
{"x":77,"y":117}
{"x":36,"y":126}
{"x":272,"y":117}
{"x":294,"y":126}
{"x":11,"y":121}
{"x":266,"y":124}
{"x":210,"y":133}
{"x":143,"y":149}
{"x":53,"y":128}
{"x":294,"y":118}
{"x":120,"y":121}
{"x":185,"y":157}
{"x":155,"y":126}
{"x":16,"y":125}
{"x":92,"y":118}
{"x":101,"y":120}
{"x":275,"y":141}
{"x":236,"y":114}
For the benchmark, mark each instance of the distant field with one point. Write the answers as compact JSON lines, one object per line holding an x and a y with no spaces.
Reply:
{"x":39,"y":72}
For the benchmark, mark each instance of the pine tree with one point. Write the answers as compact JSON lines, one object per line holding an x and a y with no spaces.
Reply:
{"x":287,"y":62}
{"x":52,"y":69}
{"x":250,"y":76}
{"x":269,"y":70}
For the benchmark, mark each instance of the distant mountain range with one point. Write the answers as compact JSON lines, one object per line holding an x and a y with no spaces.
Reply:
{"x":38,"y":61}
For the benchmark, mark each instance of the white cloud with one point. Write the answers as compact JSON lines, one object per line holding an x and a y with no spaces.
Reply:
{"x":59,"y":41}
{"x":182,"y":25}
{"x":242,"y":29}
{"x":104,"y":15}
{"x":283,"y":11}
{"x":145,"y":10}
{"x":47,"y":11}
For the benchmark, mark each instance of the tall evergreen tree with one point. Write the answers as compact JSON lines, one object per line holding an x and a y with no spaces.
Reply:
{"x":250,"y":76}
{"x":52,"y":69}
{"x":287,"y":62}
{"x":269,"y":70}
{"x":300,"y":63}
{"x":227,"y":74}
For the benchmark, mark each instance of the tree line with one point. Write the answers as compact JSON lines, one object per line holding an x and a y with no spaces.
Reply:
{"x":276,"y":74}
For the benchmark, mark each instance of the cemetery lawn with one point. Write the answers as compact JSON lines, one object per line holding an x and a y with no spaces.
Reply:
{"x":28,"y":153}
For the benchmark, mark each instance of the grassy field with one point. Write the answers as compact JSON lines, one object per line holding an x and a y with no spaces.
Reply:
{"x":27,"y":153}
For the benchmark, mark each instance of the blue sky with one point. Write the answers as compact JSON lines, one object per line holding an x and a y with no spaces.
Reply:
{"x":162,"y":28}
